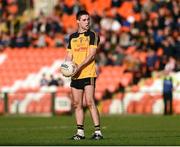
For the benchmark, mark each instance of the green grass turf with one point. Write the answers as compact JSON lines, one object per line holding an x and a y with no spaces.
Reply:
{"x":117,"y":130}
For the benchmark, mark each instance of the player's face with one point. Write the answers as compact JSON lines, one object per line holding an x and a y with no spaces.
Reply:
{"x":84,"y":22}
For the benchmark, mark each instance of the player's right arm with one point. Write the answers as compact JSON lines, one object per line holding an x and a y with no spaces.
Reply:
{"x":69,"y":56}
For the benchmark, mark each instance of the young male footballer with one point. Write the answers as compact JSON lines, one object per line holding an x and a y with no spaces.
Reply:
{"x":82,"y":49}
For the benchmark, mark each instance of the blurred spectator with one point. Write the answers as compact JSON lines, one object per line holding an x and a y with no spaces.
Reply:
{"x":60,"y":81}
{"x":3,"y":26}
{"x":125,"y":39}
{"x":116,"y":3}
{"x":41,"y":41}
{"x":119,"y":55}
{"x":162,"y":62}
{"x":21,"y":40}
{"x":53,"y":81}
{"x":168,"y":94}
{"x":5,"y":40}
{"x":1,"y":9}
{"x":77,"y":6}
{"x":170,"y":65}
{"x":13,"y":24}
{"x":44,"y":80}
{"x":151,"y":62}
{"x":58,"y":40}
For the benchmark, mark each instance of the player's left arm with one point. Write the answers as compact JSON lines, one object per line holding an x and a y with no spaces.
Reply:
{"x":69,"y":56}
{"x":89,"y":59}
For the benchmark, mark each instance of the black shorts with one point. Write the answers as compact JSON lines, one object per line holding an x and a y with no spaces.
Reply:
{"x":81,"y":83}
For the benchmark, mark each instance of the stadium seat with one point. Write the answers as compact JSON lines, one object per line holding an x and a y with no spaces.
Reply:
{"x":131,"y":107}
{"x":31,"y":107}
{"x":148,"y":107}
{"x":105,"y":106}
{"x":98,"y":95}
{"x":119,"y":96}
{"x":139,"y":107}
{"x":176,"y":106}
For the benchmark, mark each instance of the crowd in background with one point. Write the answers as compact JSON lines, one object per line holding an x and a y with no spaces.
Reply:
{"x":51,"y":81}
{"x":155,"y":31}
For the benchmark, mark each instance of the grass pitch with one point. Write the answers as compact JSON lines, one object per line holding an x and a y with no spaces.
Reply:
{"x":117,"y":130}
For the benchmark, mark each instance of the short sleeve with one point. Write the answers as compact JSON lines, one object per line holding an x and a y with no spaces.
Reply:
{"x":69,"y":44}
{"x":94,"y":40}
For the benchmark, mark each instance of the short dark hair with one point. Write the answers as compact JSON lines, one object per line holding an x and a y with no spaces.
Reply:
{"x":80,"y":13}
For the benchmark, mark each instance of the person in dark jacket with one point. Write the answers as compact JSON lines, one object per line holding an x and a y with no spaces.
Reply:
{"x":168,"y":95}
{"x":53,"y":81}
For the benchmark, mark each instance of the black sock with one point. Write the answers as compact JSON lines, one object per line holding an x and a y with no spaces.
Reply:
{"x":81,"y":127}
{"x":97,"y":127}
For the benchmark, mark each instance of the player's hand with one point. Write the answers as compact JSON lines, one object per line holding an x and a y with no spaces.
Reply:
{"x":77,"y":71}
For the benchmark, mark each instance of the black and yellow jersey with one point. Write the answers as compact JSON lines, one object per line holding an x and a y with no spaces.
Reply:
{"x":79,"y":45}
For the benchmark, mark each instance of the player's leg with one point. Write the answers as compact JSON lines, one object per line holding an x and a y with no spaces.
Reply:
{"x":171,"y":103}
{"x":165,"y":104}
{"x":77,"y":97}
{"x":89,"y":93}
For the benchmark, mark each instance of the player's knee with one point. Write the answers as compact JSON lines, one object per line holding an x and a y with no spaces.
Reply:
{"x":76,"y":105}
{"x":90,"y":104}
